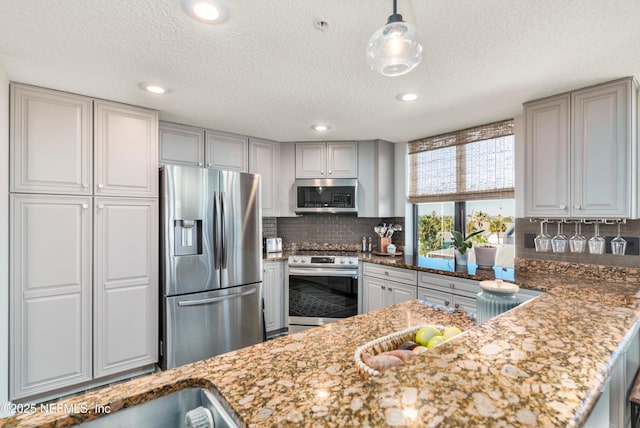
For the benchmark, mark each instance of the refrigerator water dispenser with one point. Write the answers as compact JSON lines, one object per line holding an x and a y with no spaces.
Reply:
{"x":188,"y":237}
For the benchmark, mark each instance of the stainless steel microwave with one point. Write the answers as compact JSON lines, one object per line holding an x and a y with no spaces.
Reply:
{"x":327,"y":195}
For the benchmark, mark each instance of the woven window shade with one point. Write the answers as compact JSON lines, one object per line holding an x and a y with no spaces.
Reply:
{"x":475,"y":163}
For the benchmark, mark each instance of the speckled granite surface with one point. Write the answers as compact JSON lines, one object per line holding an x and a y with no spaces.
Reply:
{"x":534,"y":366}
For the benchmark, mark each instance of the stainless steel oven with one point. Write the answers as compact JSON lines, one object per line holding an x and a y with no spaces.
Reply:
{"x":321,"y":290}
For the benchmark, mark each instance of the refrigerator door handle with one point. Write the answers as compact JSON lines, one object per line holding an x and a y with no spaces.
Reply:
{"x":223,"y":233}
{"x":215,"y":299}
{"x":216,"y":247}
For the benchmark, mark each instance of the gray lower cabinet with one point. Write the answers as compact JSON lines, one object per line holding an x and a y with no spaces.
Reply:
{"x":622,"y":377}
{"x":273,"y":281}
{"x":125,"y":285}
{"x":50,"y":293}
{"x":385,"y":285}
{"x":448,"y":291}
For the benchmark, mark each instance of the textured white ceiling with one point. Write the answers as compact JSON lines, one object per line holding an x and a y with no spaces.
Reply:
{"x":268,"y":72}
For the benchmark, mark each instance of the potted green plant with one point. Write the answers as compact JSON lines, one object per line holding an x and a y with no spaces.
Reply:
{"x":461,"y":244}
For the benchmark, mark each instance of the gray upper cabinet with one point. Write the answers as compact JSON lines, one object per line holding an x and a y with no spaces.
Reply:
{"x":376,"y":183}
{"x":327,"y":160}
{"x":180,"y":145}
{"x":547,"y":157}
{"x":126,"y":147}
{"x":50,"y":141}
{"x":50,"y":293}
{"x":263,"y":160}
{"x":229,"y":152}
{"x":581,"y":154}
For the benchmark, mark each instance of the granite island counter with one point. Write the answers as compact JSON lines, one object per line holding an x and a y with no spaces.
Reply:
{"x":543,"y":363}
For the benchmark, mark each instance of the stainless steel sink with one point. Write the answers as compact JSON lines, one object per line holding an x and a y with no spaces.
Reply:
{"x":168,"y":411}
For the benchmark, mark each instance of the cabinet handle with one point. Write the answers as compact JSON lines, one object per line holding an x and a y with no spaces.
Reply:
{"x":321,"y":172}
{"x":383,"y":287}
{"x":330,"y":172}
{"x":85,"y":206}
{"x":386,"y":273}
{"x":100,"y":186}
{"x":578,"y":207}
{"x":85,"y":185}
{"x":199,"y":163}
{"x":100,"y":206}
{"x":563,"y":207}
{"x":452,"y":285}
{"x":457,"y":305}
{"x":446,"y":303}
{"x":208,"y":164}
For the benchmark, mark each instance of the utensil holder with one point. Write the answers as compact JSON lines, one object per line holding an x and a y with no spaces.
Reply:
{"x":383,"y":243}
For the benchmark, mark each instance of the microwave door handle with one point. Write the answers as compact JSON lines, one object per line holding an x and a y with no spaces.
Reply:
{"x":223,"y":238}
{"x":216,"y":232}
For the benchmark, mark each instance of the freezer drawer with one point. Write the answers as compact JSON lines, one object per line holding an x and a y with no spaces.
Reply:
{"x":201,"y":325}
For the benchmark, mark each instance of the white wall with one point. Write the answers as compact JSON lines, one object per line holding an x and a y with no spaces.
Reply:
{"x":4,"y":238}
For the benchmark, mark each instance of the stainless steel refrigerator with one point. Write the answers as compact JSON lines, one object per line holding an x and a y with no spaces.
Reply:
{"x":210,"y":263}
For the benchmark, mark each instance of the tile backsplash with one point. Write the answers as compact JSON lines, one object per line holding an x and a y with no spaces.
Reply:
{"x":328,"y":229}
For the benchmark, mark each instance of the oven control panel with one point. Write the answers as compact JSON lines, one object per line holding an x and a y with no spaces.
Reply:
{"x":323,"y":261}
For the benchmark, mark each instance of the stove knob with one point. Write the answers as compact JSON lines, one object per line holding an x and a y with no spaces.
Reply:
{"x":341,"y":261}
{"x":295,"y":260}
{"x":350,"y":262}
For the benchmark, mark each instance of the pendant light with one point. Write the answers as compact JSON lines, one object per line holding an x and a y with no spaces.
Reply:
{"x":395,"y":49}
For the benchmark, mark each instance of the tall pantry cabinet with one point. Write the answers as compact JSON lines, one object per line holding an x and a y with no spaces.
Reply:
{"x":83,"y":240}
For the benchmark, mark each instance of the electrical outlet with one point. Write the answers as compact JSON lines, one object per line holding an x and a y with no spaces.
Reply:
{"x":529,"y":240}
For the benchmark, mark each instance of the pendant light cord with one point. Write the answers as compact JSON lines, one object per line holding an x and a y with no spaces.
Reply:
{"x":395,"y":8}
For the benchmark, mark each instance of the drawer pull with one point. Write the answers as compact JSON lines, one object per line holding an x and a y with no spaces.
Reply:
{"x":457,"y":305}
{"x":452,"y":285}
{"x":446,"y":303}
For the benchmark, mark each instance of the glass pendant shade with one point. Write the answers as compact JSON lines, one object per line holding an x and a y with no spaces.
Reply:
{"x":395,"y":49}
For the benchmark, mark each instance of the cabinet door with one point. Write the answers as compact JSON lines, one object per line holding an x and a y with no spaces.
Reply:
{"x":311,"y":160}
{"x":342,"y":160}
{"x":181,"y":145}
{"x":263,"y":160}
{"x":435,"y":297}
{"x":50,"y":141}
{"x":273,"y":295}
{"x":547,"y":165}
{"x":226,"y":151}
{"x":126,"y":284}
{"x":467,"y":304}
{"x":375,"y":293}
{"x":400,"y":292}
{"x":50,"y":293}
{"x":126,"y":143}
{"x":601,"y":150}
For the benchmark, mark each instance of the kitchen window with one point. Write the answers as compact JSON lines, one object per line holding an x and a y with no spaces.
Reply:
{"x":463,"y":181}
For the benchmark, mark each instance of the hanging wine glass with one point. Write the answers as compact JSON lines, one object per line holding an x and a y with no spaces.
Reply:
{"x":559,"y":242}
{"x":618,"y":244}
{"x":543,"y":240}
{"x":596,"y":243}
{"x":578,"y":242}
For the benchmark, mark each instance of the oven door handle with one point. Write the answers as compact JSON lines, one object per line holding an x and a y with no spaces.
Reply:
{"x":323,"y":272}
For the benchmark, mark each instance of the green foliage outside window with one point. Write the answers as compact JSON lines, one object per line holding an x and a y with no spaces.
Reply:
{"x":430,"y":228}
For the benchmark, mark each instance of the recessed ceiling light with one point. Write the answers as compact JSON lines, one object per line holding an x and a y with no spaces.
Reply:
{"x":207,"y":11}
{"x":153,"y":88}
{"x":407,"y":96}
{"x":320,"y":127}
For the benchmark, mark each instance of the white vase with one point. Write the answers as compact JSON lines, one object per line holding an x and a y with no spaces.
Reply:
{"x":461,"y":259}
